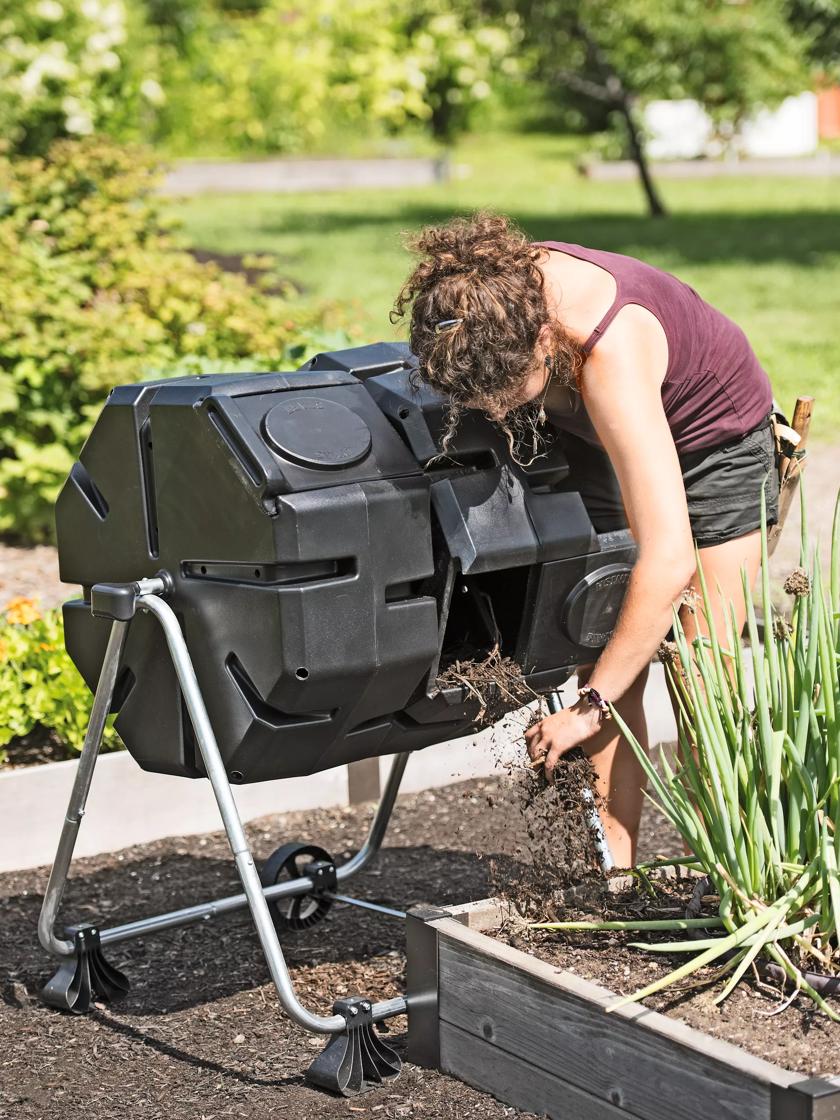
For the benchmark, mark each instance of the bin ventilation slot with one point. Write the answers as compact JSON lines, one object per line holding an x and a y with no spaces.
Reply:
{"x":464,"y":462}
{"x":125,"y":682}
{"x":400,"y":592}
{"x":89,"y":490}
{"x":264,"y":711}
{"x":281,"y":575}
{"x":372,"y":724}
{"x":150,"y":498}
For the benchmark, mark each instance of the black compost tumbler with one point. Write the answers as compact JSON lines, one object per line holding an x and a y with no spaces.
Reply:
{"x":274,"y":570}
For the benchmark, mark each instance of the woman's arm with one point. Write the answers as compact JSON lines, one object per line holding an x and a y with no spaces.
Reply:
{"x":621,"y":388}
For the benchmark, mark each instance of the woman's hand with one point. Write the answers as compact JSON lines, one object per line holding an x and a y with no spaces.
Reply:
{"x":557,"y":734}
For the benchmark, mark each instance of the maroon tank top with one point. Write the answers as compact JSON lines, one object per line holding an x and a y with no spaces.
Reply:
{"x":714,"y":390}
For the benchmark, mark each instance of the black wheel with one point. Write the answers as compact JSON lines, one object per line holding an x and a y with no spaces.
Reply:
{"x":290,"y":861}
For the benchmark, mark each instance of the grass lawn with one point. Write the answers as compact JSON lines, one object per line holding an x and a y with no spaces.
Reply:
{"x":766,"y":251}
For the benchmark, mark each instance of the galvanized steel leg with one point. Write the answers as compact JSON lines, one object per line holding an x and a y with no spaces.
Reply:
{"x":55,"y":946}
{"x":84,"y":973}
{"x":248,"y":874}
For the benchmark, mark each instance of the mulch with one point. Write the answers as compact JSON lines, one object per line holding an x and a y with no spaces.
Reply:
{"x":201,"y":1034}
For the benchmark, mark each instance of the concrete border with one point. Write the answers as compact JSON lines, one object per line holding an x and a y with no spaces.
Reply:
{"x":283,"y":176}
{"x":129,"y":806}
{"x":620,"y":170}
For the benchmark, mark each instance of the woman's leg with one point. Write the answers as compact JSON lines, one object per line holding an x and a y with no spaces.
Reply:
{"x":619,"y":779}
{"x":722,"y":564}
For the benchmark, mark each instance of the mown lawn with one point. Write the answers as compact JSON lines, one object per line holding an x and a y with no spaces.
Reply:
{"x":766,"y":251}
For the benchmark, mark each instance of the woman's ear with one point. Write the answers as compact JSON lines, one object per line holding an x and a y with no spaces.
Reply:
{"x":545,"y":346}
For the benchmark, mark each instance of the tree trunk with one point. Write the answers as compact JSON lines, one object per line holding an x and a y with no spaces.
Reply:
{"x":616,"y":94}
{"x":655,"y":204}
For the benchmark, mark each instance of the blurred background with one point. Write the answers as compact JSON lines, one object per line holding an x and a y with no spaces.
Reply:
{"x":135,"y":128}
{"x":204,"y":185}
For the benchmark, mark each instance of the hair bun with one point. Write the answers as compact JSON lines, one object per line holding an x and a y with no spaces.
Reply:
{"x":485,"y":244}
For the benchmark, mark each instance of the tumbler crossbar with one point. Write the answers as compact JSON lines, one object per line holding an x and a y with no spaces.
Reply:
{"x":119,"y":603}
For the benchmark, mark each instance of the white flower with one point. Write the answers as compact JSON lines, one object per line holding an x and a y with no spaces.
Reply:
{"x":50,"y":10}
{"x":480,"y":90}
{"x":79,"y":123}
{"x":91,"y":9}
{"x":52,"y":63}
{"x":110,"y":60}
{"x":152,"y":91}
{"x":113,"y":16}
{"x":99,"y":41}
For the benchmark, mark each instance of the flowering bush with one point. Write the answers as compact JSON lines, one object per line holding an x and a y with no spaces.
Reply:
{"x":95,"y":293}
{"x":40,"y":686}
{"x":291,"y":75}
{"x":73,"y":67}
{"x":273,"y":75}
{"x":458,"y":61}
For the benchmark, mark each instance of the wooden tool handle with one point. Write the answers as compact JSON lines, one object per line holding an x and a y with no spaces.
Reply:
{"x":792,"y":466}
{"x":801,"y":424}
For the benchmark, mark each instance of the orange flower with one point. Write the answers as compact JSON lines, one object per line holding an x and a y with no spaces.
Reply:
{"x":21,"y":611}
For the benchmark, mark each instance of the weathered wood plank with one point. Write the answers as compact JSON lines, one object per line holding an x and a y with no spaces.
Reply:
{"x":517,"y":1082}
{"x":585,"y":990}
{"x":556,"y":1024}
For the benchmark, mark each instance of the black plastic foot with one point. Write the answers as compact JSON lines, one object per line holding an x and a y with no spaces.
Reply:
{"x":357,"y":1059}
{"x":85,"y":976}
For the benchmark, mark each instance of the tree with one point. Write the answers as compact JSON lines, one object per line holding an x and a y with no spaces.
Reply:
{"x":730,"y":55}
{"x":818,"y":21}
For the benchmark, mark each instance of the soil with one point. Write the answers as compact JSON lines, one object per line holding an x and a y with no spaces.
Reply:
{"x":40,"y":745}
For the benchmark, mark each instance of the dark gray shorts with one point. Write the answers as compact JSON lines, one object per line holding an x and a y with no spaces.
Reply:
{"x":722,"y":485}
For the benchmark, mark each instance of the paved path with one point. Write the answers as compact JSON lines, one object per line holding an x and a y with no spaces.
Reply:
{"x":190,"y":177}
{"x":816,"y":167}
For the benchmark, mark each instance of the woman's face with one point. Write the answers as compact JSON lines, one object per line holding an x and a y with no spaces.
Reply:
{"x":532,"y":387}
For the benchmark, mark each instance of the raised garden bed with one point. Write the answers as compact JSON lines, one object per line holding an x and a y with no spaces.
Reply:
{"x":539,"y":1038}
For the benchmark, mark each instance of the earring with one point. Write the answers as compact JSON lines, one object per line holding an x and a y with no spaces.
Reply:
{"x":549,"y":365}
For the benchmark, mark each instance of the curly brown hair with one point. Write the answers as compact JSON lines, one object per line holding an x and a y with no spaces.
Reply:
{"x":484,"y":271}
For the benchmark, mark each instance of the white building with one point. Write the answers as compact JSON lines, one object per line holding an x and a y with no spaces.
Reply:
{"x":683,"y":130}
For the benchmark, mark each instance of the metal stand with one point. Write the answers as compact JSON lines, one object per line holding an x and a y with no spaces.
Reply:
{"x":84,"y":973}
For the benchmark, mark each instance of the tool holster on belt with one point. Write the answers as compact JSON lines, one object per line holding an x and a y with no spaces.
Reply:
{"x":787,"y":439}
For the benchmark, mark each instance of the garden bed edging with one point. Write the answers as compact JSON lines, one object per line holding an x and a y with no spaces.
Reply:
{"x":538,"y":1038}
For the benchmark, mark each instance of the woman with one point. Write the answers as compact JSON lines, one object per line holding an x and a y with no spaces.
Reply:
{"x":665,"y":415}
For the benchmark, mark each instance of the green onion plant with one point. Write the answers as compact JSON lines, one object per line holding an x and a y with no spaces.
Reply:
{"x":755,"y":789}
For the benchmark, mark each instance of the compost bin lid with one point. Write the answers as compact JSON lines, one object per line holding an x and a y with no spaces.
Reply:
{"x":316,"y":432}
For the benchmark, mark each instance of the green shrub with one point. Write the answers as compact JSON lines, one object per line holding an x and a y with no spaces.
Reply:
{"x":96,"y":292}
{"x":39,"y":684}
{"x":72,"y":67}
